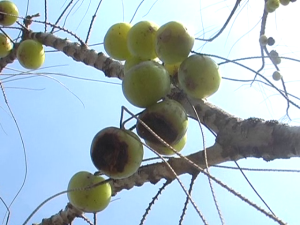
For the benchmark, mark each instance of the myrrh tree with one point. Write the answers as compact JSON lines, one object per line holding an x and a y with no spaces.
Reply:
{"x":239,"y":165}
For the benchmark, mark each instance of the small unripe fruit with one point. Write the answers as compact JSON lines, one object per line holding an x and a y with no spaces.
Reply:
{"x":173,"y":42}
{"x":167,"y":119}
{"x":284,"y":2}
{"x":276,"y":76}
{"x":274,"y":56}
{"x":118,"y":153}
{"x":31,"y":54}
{"x":271,"y":41}
{"x":199,"y":76}
{"x":164,"y":150}
{"x":141,"y":40}
{"x":5,"y":45}
{"x":272,"y":5}
{"x":146,"y":83}
{"x":263,"y":40}
{"x":115,"y":41}
{"x":93,"y":199}
{"x":8,"y":13}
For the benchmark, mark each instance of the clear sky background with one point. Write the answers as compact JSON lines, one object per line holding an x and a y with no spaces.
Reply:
{"x":59,"y":115}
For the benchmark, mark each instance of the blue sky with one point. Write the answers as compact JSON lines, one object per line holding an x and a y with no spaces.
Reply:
{"x":58,"y":122}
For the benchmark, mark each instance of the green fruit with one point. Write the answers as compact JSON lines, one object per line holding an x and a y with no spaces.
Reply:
{"x":117,"y":153}
{"x":8,"y":13}
{"x":276,"y":75}
{"x":168,"y":119}
{"x":164,"y":150}
{"x":173,"y":42}
{"x":146,"y":83}
{"x":94,"y":199}
{"x":199,"y":76}
{"x":5,"y":45}
{"x":284,"y":2}
{"x":141,"y":40}
{"x":31,"y":54}
{"x":115,"y":41}
{"x":274,"y":56}
{"x":263,"y":40}
{"x":272,"y":5}
{"x":131,"y":62}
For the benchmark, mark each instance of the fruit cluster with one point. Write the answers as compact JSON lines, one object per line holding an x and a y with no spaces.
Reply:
{"x":30,"y":53}
{"x":272,"y":5}
{"x":117,"y":152}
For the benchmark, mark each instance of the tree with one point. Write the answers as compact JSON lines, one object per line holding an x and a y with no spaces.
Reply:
{"x":236,"y":138}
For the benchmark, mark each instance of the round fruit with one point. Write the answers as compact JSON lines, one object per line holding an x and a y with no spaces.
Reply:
{"x":5,"y":45}
{"x":146,"y":83}
{"x":141,"y":40}
{"x":164,"y":150}
{"x":168,"y":119}
{"x":274,"y":56}
{"x":131,"y":62}
{"x":8,"y":13}
{"x":199,"y":76}
{"x":276,"y":75}
{"x":115,"y":41}
{"x":284,"y":2}
{"x":271,"y":41}
{"x":272,"y":5}
{"x":173,"y":42}
{"x":93,"y":199}
{"x":263,"y":40}
{"x":118,"y":153}
{"x":31,"y":54}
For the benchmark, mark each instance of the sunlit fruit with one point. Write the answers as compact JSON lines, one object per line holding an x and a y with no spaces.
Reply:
{"x":199,"y":76}
{"x":284,"y":2}
{"x":92,"y":199}
{"x":118,"y":153}
{"x":115,"y":41}
{"x":263,"y":40}
{"x":164,"y":150}
{"x":167,"y":119}
{"x":8,"y":13}
{"x":146,"y":83}
{"x":276,"y":76}
{"x":141,"y":40}
{"x":5,"y":45}
{"x":272,"y":5}
{"x":172,"y":68}
{"x":173,"y":42}
{"x":31,"y":54}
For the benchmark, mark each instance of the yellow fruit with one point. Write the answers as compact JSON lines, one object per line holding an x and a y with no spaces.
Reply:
{"x":272,"y":5}
{"x":172,"y":68}
{"x":91,"y":200}
{"x":146,"y":83}
{"x":173,"y":42}
{"x":31,"y":54}
{"x":141,"y":40}
{"x":131,"y":62}
{"x":199,"y":76}
{"x":116,"y":152}
{"x":168,"y":119}
{"x":164,"y":150}
{"x":5,"y":45}
{"x":8,"y":13}
{"x":115,"y":41}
